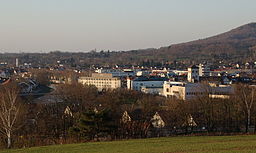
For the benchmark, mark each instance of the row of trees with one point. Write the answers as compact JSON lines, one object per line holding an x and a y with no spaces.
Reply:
{"x":81,"y":113}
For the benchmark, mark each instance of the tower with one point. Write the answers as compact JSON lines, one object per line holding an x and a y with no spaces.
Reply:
{"x":193,"y":74}
{"x":17,"y":62}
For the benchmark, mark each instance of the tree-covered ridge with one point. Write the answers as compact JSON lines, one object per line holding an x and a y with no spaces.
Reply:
{"x":236,"y":45}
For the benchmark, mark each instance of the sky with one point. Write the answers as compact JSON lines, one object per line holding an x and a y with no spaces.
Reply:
{"x":84,"y":25}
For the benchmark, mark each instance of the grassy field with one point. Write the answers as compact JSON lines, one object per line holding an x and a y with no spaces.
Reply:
{"x":204,"y":144}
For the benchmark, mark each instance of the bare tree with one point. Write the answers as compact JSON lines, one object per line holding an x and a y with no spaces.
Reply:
{"x":245,"y":95}
{"x":205,"y":104}
{"x":42,"y":76}
{"x":10,"y":109}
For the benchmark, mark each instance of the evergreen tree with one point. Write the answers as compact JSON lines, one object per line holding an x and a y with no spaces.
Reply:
{"x":94,"y":124}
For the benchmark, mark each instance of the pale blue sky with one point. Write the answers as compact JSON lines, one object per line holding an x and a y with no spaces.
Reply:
{"x":82,"y":25}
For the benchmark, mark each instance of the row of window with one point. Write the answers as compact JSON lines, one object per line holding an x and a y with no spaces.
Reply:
{"x":100,"y":79}
{"x":194,"y":93}
{"x":97,"y":82}
{"x":198,"y":93}
{"x":201,"y":93}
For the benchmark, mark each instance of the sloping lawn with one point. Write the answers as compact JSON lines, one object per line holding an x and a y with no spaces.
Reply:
{"x":203,"y":144}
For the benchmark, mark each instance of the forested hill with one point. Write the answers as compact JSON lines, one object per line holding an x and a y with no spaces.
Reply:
{"x":238,"y":41}
{"x":236,"y":45}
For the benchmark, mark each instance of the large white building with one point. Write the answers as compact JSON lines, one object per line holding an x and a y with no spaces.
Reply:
{"x":152,"y":90}
{"x":118,"y":72}
{"x":145,"y":82}
{"x":188,"y":91}
{"x":101,"y":81}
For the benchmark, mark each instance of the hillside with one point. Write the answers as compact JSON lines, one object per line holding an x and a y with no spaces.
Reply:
{"x":235,"y":42}
{"x":203,"y":144}
{"x":236,"y":45}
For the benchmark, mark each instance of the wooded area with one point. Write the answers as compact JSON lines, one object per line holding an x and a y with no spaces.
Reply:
{"x":84,"y":114}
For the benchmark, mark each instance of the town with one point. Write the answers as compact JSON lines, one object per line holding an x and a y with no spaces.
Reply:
{"x":131,"y":76}
{"x":183,"y":84}
{"x":143,"y":98}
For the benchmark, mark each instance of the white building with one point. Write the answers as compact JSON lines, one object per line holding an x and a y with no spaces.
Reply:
{"x":204,"y":70}
{"x":180,"y":72}
{"x":146,"y":82}
{"x":141,"y":73}
{"x":117,"y":72}
{"x":193,"y":74}
{"x":101,"y":81}
{"x":187,"y":91}
{"x":152,"y":90}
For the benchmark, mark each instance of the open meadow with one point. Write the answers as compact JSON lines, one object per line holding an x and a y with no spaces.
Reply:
{"x":185,"y":144}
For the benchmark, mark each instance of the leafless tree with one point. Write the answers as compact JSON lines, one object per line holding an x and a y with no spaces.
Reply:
{"x":245,"y":95}
{"x":10,"y":109}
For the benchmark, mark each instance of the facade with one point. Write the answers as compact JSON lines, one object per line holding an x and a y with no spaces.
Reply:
{"x":180,"y":72}
{"x":152,"y":90}
{"x":204,"y":70}
{"x":188,"y":91}
{"x":193,"y":74}
{"x":101,"y":81}
{"x":146,"y":82}
{"x":57,"y":78}
{"x":117,"y":72}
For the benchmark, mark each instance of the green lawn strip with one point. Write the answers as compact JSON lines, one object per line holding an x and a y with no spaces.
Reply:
{"x":201,"y":144}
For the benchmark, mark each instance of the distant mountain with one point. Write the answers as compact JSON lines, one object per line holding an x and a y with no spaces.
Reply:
{"x":238,"y":40}
{"x":237,"y":44}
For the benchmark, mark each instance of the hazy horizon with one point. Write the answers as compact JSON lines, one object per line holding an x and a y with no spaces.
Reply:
{"x":83,"y":25}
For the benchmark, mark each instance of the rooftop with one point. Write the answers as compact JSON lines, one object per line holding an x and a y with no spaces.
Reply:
{"x":151,"y":79}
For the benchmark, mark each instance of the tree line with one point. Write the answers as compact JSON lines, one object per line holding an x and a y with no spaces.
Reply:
{"x":81,"y":114}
